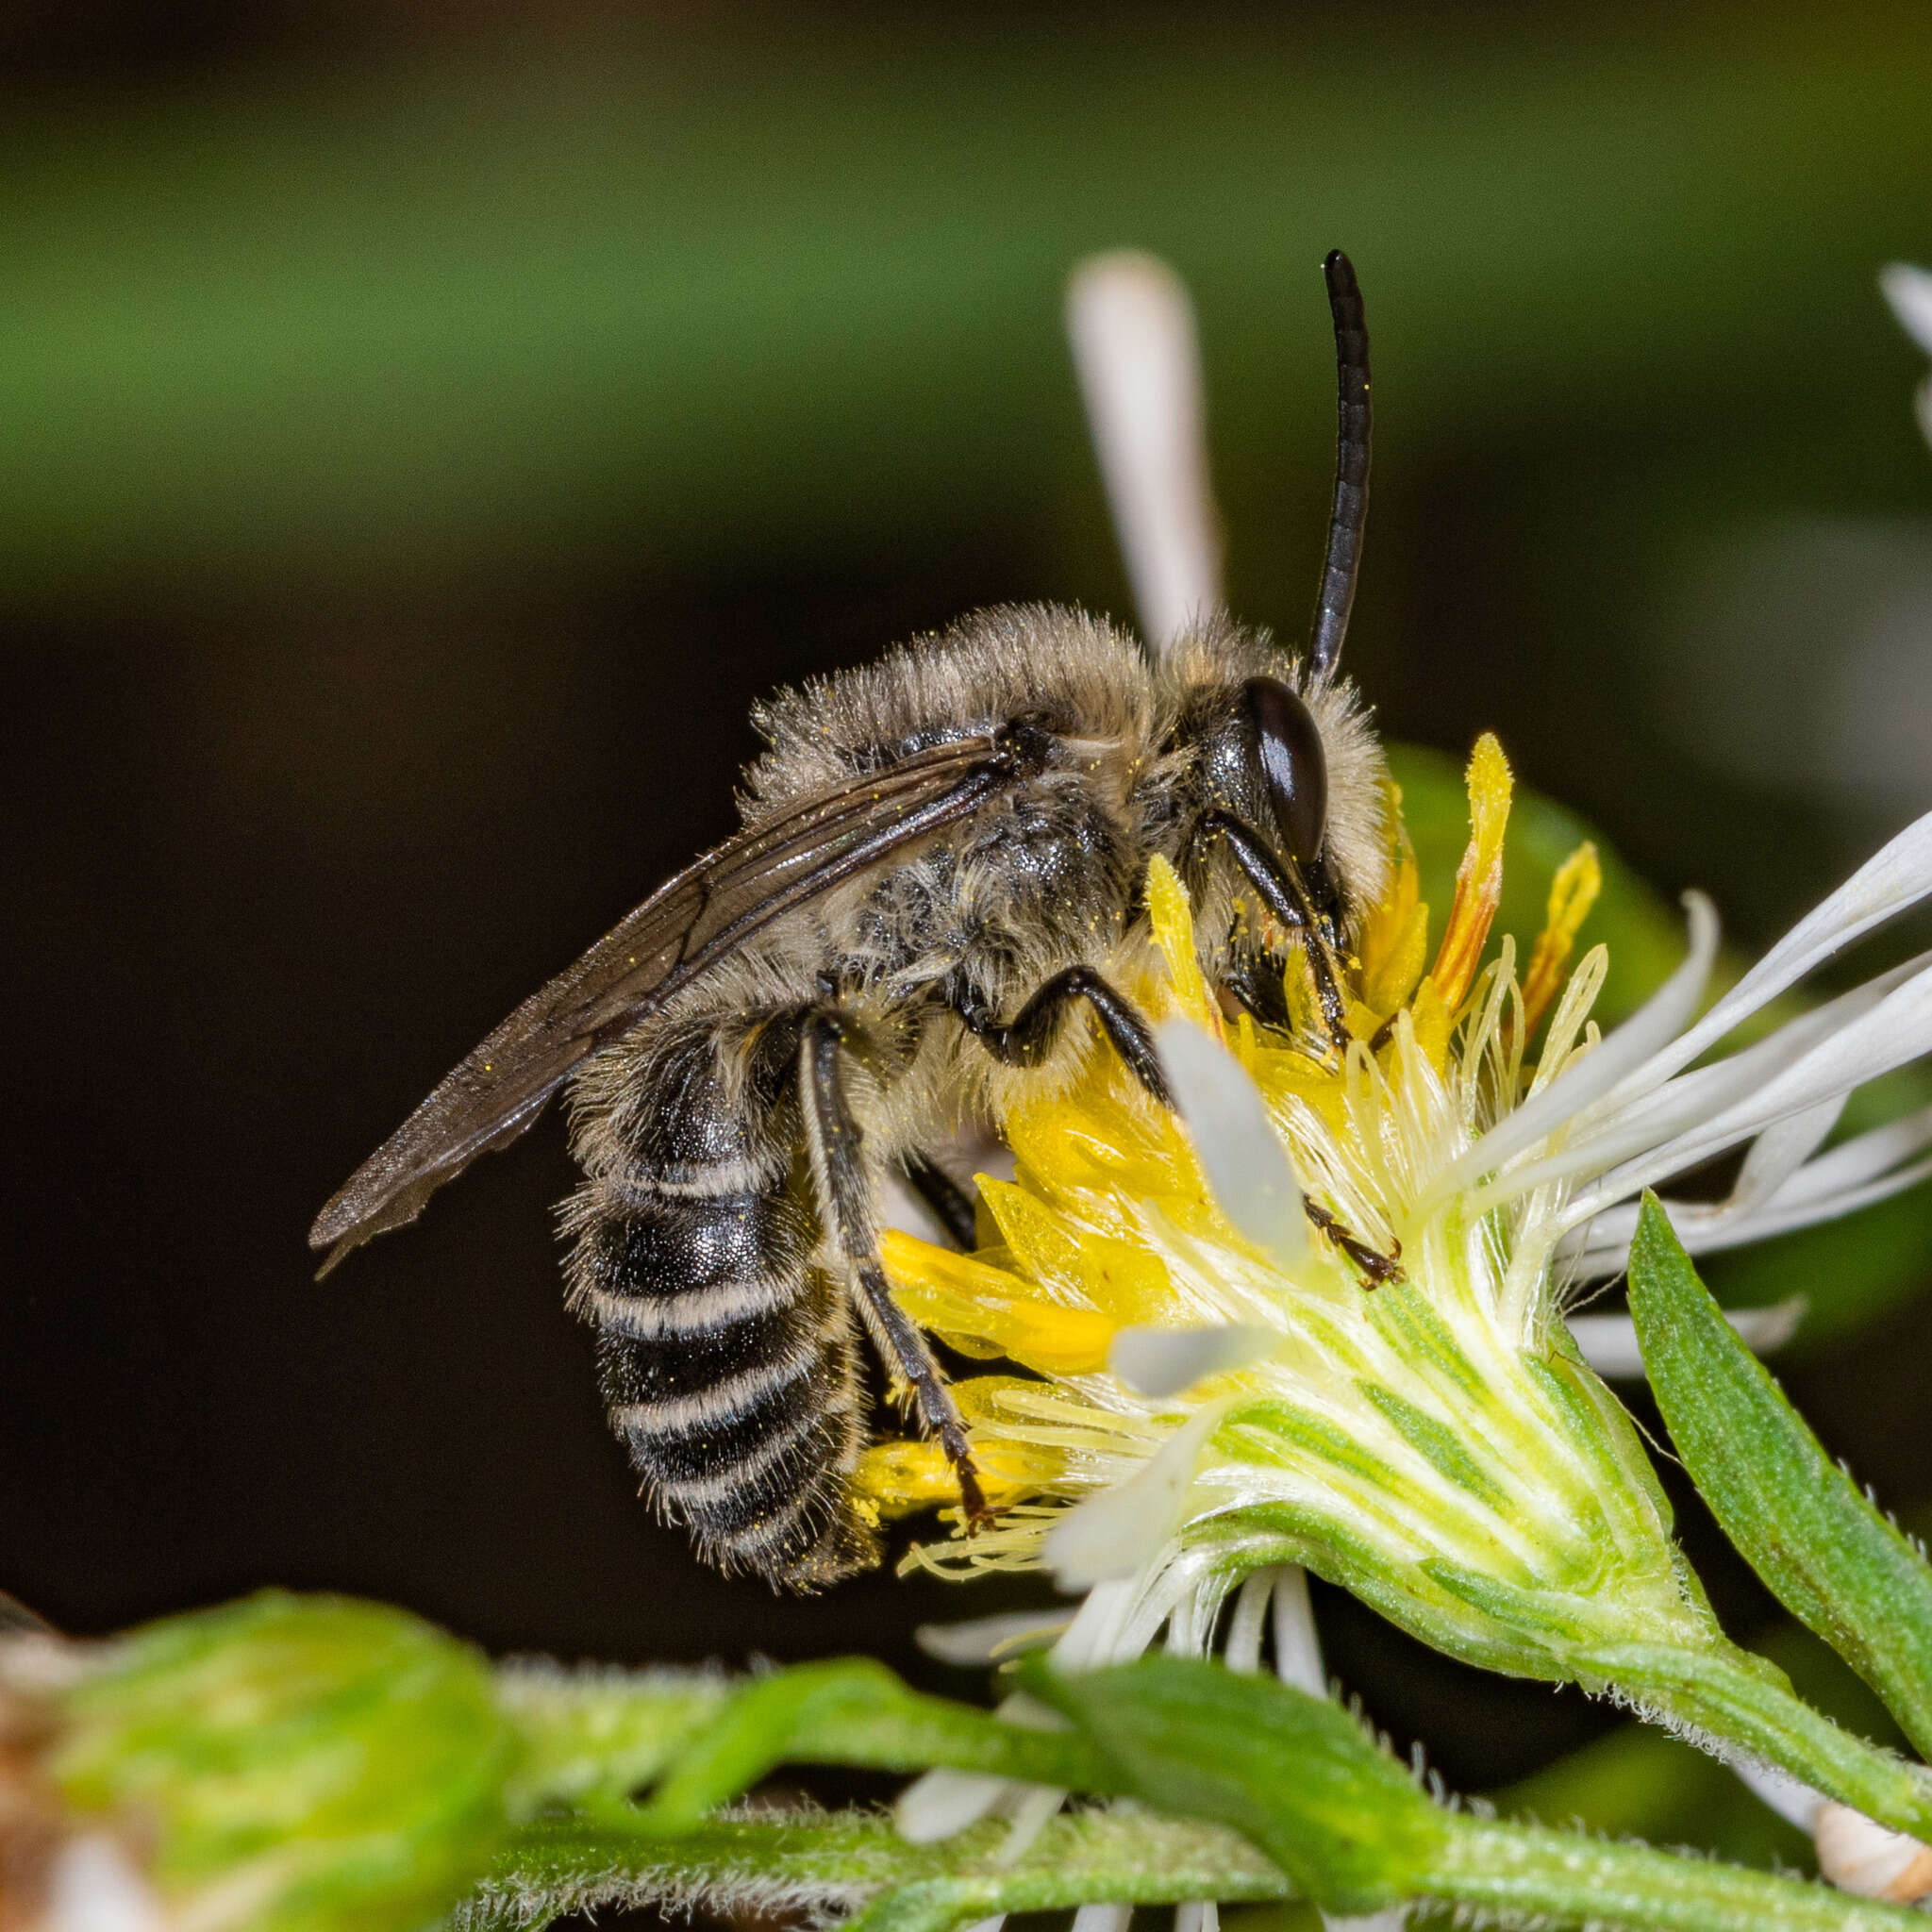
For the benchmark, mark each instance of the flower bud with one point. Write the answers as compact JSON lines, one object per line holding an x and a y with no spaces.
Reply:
{"x":286,"y":1763}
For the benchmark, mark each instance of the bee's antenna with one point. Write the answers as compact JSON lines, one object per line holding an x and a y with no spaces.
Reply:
{"x":1342,"y":563}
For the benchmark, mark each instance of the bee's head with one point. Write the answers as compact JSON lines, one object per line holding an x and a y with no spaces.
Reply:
{"x":1263,"y":762}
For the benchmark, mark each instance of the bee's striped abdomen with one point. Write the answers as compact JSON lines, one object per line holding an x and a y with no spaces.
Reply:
{"x":728,"y":1361}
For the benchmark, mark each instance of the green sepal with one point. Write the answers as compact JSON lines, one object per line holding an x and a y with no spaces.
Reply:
{"x":1801,"y":1523}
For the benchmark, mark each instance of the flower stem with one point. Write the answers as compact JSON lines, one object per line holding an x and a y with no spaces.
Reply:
{"x":847,"y":1861}
{"x":1738,"y":1699}
{"x":1527,"y":1872}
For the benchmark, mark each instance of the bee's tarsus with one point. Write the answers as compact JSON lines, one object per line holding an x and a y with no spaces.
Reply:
{"x":1286,"y":895}
{"x":1377,"y":1269}
{"x":978,"y":1512}
{"x":1026,"y":1040}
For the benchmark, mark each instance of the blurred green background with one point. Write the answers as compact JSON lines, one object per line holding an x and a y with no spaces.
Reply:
{"x":424,"y":431}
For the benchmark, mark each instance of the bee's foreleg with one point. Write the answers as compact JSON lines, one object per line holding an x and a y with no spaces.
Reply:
{"x":845,"y":1199}
{"x":1282,"y":891}
{"x":1026,"y":1041}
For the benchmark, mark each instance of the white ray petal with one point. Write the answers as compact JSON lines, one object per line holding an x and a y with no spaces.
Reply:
{"x":1103,"y":1917}
{"x":1894,"y":879}
{"x":1777,"y":1218}
{"x":1236,"y":1143}
{"x":1778,"y":1153}
{"x":1604,"y":1247}
{"x":1796,"y":1803}
{"x":1909,"y":292}
{"x":93,"y":1885}
{"x":1898,"y":1029}
{"x":1094,"y":1633}
{"x":1866,"y":1858}
{"x":1630,"y":1048}
{"x":1160,"y":1363}
{"x":942,"y":1804}
{"x":1163,"y":1588}
{"x":1297,"y":1644}
{"x":1113,"y":1533}
{"x":1682,"y":1102}
{"x":1242,"y":1651}
{"x":1608,"y":1342}
{"x":988,"y":1640}
{"x":1132,"y":329}
{"x":1862,"y":1158}
{"x":1031,"y":1809}
{"x":1607,"y":1249}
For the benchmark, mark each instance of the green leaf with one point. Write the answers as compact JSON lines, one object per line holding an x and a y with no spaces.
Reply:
{"x":1642,"y":1782}
{"x":1299,"y":1778}
{"x":336,"y":1764}
{"x":1801,"y":1523}
{"x":1294,"y":1774}
{"x":853,"y":1711}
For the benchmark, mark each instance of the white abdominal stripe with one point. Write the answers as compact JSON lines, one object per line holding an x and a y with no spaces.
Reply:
{"x":728,"y":1400}
{"x":692,"y":1312}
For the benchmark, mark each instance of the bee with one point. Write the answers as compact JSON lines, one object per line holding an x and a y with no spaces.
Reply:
{"x":930,"y":910}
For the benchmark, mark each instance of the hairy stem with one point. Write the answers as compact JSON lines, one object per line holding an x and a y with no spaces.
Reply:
{"x":1522,"y":1870}
{"x":850,"y":1861}
{"x":1740,"y":1701}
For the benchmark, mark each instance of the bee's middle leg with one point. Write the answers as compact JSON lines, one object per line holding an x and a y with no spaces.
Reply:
{"x":1027,"y":1038}
{"x":950,"y":1204}
{"x":845,"y":1193}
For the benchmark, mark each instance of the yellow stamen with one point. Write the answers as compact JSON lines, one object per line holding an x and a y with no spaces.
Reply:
{"x":1573,"y":892}
{"x":982,"y":1310}
{"x":1173,"y":920}
{"x":1478,"y":879}
{"x":896,"y":1479}
{"x":1396,"y":936}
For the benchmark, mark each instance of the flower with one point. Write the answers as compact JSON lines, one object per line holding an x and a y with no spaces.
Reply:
{"x":1321,"y":1319}
{"x":287,"y":1764}
{"x":1909,"y":292}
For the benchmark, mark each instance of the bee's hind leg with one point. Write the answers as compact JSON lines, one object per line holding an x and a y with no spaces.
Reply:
{"x":1027,"y":1039}
{"x":844,"y":1188}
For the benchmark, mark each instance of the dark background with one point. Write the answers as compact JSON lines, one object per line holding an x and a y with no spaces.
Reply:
{"x":424,"y":432}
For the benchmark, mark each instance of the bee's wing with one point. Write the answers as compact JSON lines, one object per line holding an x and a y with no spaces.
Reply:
{"x":684,"y":928}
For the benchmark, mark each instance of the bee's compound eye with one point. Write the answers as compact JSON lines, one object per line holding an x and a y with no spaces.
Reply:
{"x":1293,"y":763}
